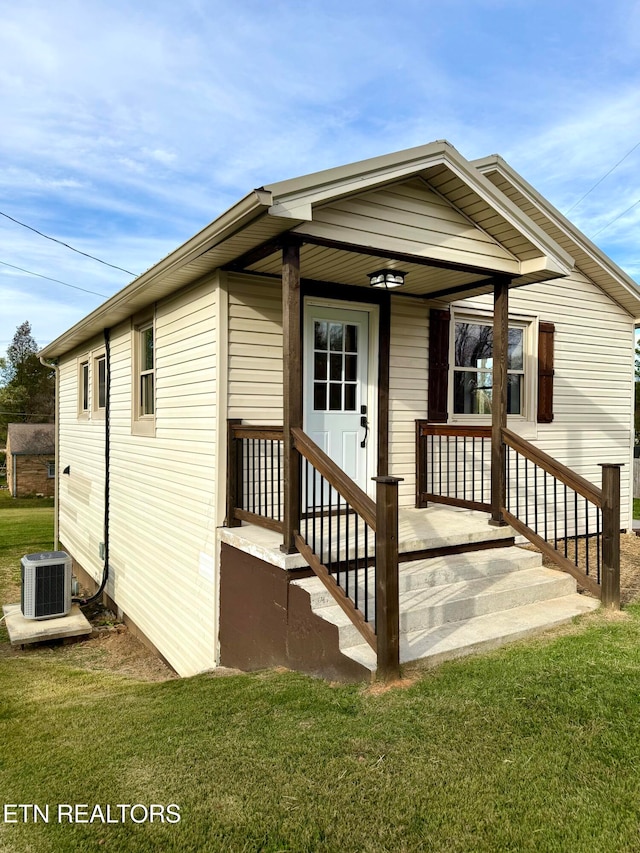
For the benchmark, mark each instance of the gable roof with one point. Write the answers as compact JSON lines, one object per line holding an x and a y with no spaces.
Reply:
{"x":333,"y":215}
{"x":31,"y":439}
{"x":591,"y":260}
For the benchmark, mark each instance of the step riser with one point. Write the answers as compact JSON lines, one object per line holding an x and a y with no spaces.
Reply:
{"x":431,"y":615}
{"x":439,"y":572}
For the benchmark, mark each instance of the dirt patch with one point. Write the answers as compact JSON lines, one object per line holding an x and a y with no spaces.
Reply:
{"x":629,"y":564}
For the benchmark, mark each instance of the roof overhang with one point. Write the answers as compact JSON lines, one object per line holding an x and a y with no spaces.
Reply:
{"x":267,"y":215}
{"x":591,"y":260}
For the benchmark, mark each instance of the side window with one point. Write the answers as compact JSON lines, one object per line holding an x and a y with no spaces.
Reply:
{"x":147,"y":370}
{"x":143,"y":354}
{"x":99,"y":383}
{"x":83,"y":390}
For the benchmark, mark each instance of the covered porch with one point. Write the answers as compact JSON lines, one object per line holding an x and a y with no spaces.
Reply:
{"x":439,"y":233}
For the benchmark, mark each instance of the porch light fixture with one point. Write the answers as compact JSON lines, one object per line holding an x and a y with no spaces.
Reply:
{"x":388,"y":279}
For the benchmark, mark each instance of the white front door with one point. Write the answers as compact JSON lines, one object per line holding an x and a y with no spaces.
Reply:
{"x":336,"y":395}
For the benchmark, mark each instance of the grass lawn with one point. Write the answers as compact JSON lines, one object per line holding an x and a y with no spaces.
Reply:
{"x":532,"y":748}
{"x":636,"y":507}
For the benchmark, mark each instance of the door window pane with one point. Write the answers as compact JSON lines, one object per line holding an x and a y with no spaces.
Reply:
{"x":335,"y":336}
{"x":336,"y":367}
{"x":335,"y":396}
{"x":350,"y":367}
{"x":319,"y":396}
{"x":320,"y":365}
{"x":320,"y":335}
{"x":350,"y":338}
{"x":350,"y":397}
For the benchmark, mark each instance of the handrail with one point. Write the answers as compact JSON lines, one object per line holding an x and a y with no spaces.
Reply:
{"x":552,"y":466}
{"x":268,"y":433}
{"x":454,"y":429}
{"x":341,"y":482}
{"x":343,"y":560}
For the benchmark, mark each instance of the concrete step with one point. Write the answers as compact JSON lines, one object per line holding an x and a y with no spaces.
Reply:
{"x":480,"y":633}
{"x":429,"y":607}
{"x":438,"y":571}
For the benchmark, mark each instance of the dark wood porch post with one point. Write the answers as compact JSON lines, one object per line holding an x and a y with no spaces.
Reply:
{"x":611,"y":535}
{"x":499,"y":397}
{"x":387,"y":601}
{"x":292,"y":390}
{"x":234,"y":474}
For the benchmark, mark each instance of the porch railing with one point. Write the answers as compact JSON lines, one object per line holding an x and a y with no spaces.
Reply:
{"x":453,"y":465}
{"x":349,"y":540}
{"x":255,"y":486}
{"x":573,"y":522}
{"x":351,"y":543}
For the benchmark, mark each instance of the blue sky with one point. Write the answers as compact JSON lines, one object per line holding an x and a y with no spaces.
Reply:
{"x":127,"y":127}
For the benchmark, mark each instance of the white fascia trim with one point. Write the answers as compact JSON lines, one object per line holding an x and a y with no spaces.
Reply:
{"x":233,"y":220}
{"x":295,"y":198}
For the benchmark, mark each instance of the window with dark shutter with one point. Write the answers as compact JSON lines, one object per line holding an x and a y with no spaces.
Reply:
{"x":545,"y":372}
{"x":439,"y":322}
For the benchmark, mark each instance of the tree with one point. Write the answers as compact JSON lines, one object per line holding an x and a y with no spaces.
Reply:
{"x":27,"y":387}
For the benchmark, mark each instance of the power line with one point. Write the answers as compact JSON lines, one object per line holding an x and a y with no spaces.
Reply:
{"x":615,"y":219}
{"x":66,"y":245}
{"x":597,"y":184}
{"x":57,"y":280}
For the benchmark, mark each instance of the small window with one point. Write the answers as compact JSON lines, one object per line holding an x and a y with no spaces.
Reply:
{"x":84,"y":387}
{"x":100,"y":383}
{"x":51,"y":470}
{"x":147,"y":371}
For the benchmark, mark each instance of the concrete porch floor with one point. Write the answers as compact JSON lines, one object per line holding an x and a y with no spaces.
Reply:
{"x":436,"y":526}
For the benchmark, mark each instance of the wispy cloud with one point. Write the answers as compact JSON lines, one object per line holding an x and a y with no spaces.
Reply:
{"x":127,"y":127}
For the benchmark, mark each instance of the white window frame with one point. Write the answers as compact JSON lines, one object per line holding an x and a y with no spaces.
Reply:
{"x":142,"y":423}
{"x":97,"y":410}
{"x":51,"y":470}
{"x":524,"y":423}
{"x":84,"y":399}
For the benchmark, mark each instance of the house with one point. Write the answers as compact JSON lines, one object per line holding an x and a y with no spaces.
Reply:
{"x":406,"y":361}
{"x":31,"y":460}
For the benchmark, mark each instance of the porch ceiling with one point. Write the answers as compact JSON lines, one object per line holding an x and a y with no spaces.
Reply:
{"x":349,"y":266}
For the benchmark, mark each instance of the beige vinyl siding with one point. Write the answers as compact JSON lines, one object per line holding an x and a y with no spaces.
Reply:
{"x":81,"y":448}
{"x":255,"y":350}
{"x":593,"y":380}
{"x":162,"y":487}
{"x":408,"y":376}
{"x":409,"y":218}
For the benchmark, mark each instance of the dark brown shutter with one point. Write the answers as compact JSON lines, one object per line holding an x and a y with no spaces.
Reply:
{"x":545,"y":372}
{"x":439,"y":322}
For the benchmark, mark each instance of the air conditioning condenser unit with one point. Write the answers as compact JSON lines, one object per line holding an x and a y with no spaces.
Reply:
{"x":46,"y":585}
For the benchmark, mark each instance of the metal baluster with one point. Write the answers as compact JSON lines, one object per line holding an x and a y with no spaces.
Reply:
{"x":346,"y":545}
{"x":456,"y":468}
{"x":473,"y":467}
{"x":440,"y":464}
{"x":306,"y":515}
{"x":535,"y":492}
{"x":338,"y":536}
{"x":586,"y":533}
{"x":482,"y":443}
{"x":598,"y":543}
{"x":329,"y":557}
{"x":575,"y":517}
{"x":566,"y":530}
{"x":432,"y":446}
{"x":322,"y":482}
{"x":526,"y":491}
{"x":280,"y":446}
{"x":314,"y":513}
{"x":546,"y":530}
{"x":464,"y":467}
{"x":555,"y":513}
{"x":517,"y":484}
{"x":508,"y":477}
{"x":448,"y":469}
{"x":366,"y":573}
{"x":355,"y":591}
